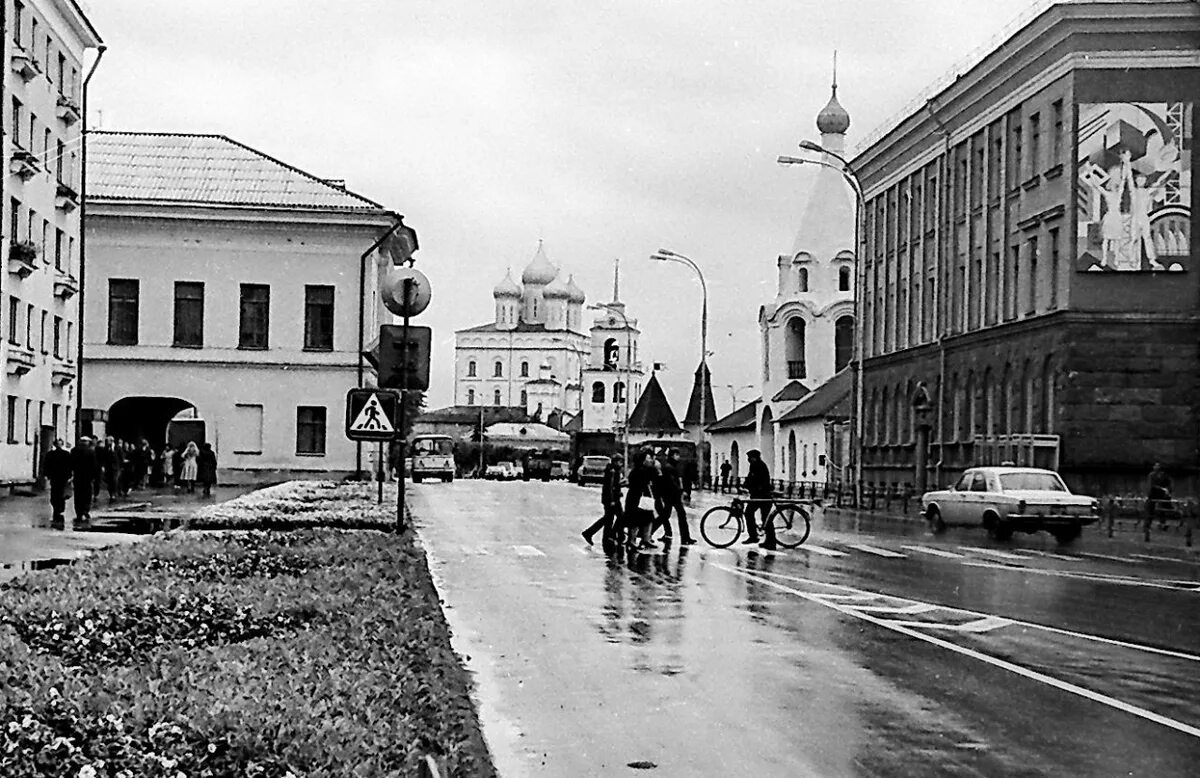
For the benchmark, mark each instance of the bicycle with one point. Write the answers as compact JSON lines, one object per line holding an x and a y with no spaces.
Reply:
{"x":722,"y":526}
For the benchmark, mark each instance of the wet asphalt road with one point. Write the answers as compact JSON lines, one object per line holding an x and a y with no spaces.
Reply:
{"x":876,"y":649}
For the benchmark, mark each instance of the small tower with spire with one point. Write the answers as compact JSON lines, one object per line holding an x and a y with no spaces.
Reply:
{"x":613,"y":372}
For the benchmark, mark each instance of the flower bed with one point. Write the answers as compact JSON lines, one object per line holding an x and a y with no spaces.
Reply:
{"x":316,"y":652}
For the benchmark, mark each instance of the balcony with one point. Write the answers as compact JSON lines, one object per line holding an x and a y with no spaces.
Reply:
{"x":24,"y":164}
{"x":20,"y":360}
{"x":66,"y":199}
{"x":62,"y":373}
{"x":796,"y":369}
{"x":24,"y":65}
{"x":68,"y":110}
{"x":22,"y":258}
{"x":65,"y":286}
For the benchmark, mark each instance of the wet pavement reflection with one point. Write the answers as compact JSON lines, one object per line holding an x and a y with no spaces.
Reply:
{"x":875,"y":649}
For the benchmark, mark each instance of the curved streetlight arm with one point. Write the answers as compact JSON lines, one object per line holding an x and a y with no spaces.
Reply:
{"x":846,"y":171}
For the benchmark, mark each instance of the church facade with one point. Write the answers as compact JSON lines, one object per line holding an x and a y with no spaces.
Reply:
{"x":532,"y":355}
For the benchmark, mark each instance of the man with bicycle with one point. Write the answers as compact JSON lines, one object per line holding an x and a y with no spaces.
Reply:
{"x":758,"y":484}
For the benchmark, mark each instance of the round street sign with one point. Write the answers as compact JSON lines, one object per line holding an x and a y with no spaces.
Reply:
{"x":392,"y":291}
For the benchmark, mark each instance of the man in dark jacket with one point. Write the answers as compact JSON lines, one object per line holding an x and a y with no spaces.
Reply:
{"x":84,"y":471}
{"x":670,"y":499}
{"x":57,"y":467}
{"x":758,"y":484}
{"x":610,"y":499}
{"x":206,"y":468}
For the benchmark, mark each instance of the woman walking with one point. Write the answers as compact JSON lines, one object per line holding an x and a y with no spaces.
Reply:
{"x":190,"y":468}
{"x":639,"y":501}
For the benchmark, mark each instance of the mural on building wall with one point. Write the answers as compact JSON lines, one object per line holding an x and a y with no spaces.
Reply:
{"x":1135,"y":186}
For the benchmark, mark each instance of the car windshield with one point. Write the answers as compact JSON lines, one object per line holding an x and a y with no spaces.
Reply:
{"x":1033,"y":482}
{"x":433,"y":447}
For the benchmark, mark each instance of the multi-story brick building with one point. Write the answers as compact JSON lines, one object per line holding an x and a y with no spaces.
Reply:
{"x":1031,"y":287}
{"x":41,"y":92}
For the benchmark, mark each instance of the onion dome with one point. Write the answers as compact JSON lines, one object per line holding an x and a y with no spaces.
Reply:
{"x":556,"y":290}
{"x":577,"y":295}
{"x":539,"y":270}
{"x":833,"y":118}
{"x":507,"y":288}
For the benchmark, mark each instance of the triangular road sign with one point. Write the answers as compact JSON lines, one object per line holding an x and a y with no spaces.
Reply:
{"x":372,"y":418}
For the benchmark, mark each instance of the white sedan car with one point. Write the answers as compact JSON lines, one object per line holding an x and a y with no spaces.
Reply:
{"x":1008,"y":499}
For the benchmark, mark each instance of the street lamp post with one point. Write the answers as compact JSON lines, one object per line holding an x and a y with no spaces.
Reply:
{"x":847,"y":172}
{"x":733,"y":393}
{"x":663,"y":255}
{"x":612,"y":308}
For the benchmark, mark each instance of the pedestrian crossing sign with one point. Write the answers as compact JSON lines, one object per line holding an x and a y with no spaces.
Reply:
{"x":371,"y":414}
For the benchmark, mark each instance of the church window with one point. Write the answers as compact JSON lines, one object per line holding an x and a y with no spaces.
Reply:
{"x":598,"y":392}
{"x":802,"y":279}
{"x":524,"y":398}
{"x":844,"y":278}
{"x":843,"y":342}
{"x":470,"y":397}
{"x":471,"y":369}
{"x":498,"y":370}
{"x":618,"y":392}
{"x":612,"y":354}
{"x":524,"y":369}
{"x":796,"y":348}
{"x":496,"y":397}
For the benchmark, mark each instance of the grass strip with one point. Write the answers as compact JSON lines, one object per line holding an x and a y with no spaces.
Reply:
{"x":313,"y":652}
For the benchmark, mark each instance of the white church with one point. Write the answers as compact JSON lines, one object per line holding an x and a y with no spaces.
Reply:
{"x":807,"y":335}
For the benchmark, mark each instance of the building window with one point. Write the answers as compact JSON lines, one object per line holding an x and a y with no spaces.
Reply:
{"x":11,"y":436}
{"x":18,"y":21}
{"x":1016,"y":161}
{"x":470,"y":397}
{"x":1052,"y":285}
{"x":1035,"y":143}
{"x":796,"y":348}
{"x":58,"y":245}
{"x":496,"y":397}
{"x":58,"y":336}
{"x":1056,"y":140}
{"x":1032,"y":283}
{"x":29,"y":320}
{"x":802,"y":279}
{"x":14,"y":320}
{"x":598,"y":392}
{"x":122,"y":311}
{"x":62,"y":72}
{"x":318,"y":318}
{"x":498,"y":370}
{"x":471,"y":369}
{"x":844,"y":279}
{"x":255,"y":316}
{"x":310,"y":430}
{"x":14,"y":220}
{"x":17,"y":117}
{"x":45,"y":322}
{"x":247,"y":428}
{"x":58,"y":163}
{"x":843,"y":342}
{"x":524,"y":369}
{"x":29,"y":421}
{"x":524,"y":398}
{"x":189,"y":314}
{"x":619,"y":392}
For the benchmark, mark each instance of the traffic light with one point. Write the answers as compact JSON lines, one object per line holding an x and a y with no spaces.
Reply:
{"x":404,"y":365}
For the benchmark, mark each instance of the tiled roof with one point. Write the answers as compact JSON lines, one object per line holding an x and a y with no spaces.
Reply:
{"x":653,"y":412}
{"x":830,"y":399}
{"x":743,"y":418}
{"x":204,"y":170}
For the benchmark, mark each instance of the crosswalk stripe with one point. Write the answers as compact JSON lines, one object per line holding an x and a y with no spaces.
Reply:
{"x":822,"y":551}
{"x":992,"y":552}
{"x":934,"y":551}
{"x":883,"y":552}
{"x":1109,"y":558}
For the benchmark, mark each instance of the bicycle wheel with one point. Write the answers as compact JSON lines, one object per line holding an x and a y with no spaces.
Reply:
{"x":721,"y":527}
{"x":791,"y":525}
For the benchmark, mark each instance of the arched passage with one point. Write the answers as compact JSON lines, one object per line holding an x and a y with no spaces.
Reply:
{"x":767,"y":438}
{"x":135,"y":418}
{"x":791,"y":456}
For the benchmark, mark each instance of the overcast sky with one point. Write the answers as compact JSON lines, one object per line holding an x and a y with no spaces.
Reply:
{"x":606,"y":129}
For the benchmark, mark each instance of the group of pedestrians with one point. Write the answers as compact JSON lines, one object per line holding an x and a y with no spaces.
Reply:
{"x":123,"y":467}
{"x":655,"y":490}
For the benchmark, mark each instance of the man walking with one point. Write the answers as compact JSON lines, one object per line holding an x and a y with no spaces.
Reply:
{"x":670,"y":499}
{"x":610,"y":498}
{"x":57,"y":467}
{"x":84,"y":471}
{"x":758,"y":485}
{"x":1158,"y":490}
{"x":726,"y":469}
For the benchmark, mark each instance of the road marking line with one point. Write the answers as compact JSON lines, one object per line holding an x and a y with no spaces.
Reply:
{"x":1165,"y":558}
{"x":1108,"y":557}
{"x":1050,"y":555}
{"x":860,"y":595}
{"x":934,"y":551}
{"x":528,"y":551}
{"x":883,"y":552}
{"x":992,"y":552}
{"x":908,"y":609}
{"x":822,"y":551}
{"x":1025,"y":672}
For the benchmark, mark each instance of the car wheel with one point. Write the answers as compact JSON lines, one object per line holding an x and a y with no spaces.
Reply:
{"x":1065,"y":535}
{"x":935,"y":520}
{"x":997,"y":529}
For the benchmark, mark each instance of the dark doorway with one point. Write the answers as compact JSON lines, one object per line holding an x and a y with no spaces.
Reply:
{"x":134,"y":418}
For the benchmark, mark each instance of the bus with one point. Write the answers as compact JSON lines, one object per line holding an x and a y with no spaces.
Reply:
{"x":431,"y":456}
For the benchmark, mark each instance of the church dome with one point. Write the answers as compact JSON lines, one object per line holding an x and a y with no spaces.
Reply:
{"x":539,"y":270}
{"x":507,"y":288}
{"x":833,"y":118}
{"x":556,"y":290}
{"x":576,"y":294}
